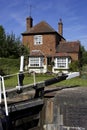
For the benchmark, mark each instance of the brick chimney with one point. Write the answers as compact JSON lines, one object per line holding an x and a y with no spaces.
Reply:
{"x":29,"y":23}
{"x":60,"y":27}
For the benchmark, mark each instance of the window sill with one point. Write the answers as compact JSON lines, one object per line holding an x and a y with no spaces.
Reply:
{"x":36,"y":67}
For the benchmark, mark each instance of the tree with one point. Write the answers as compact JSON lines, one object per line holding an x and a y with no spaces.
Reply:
{"x":11,"y":46}
{"x":15,"y":47}
{"x":84,"y":56}
{"x":2,"y":41}
{"x":2,"y":34}
{"x":23,"y":50}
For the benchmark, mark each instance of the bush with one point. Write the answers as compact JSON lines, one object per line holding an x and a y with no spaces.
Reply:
{"x":74,"y":66}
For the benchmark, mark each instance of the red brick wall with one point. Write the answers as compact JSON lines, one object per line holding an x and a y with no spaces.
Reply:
{"x":48,"y":47}
{"x":74,"y":56}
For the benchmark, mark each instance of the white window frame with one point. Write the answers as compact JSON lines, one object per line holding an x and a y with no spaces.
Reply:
{"x":38,"y":40}
{"x":61,"y":62}
{"x":35,"y":61}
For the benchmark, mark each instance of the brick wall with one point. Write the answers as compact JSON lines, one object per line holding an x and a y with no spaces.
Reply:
{"x":48,"y":47}
{"x":74,"y":56}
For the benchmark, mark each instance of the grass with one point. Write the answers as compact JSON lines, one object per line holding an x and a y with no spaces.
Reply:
{"x":10,"y":66}
{"x":73,"y":82}
{"x":29,"y":79}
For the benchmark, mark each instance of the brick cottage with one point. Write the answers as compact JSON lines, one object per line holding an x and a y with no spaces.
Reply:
{"x":49,"y":50}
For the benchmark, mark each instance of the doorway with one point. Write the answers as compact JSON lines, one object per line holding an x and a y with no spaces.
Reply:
{"x":49,"y":62}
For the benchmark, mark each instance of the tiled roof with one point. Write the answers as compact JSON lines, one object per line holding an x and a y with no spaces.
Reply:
{"x":36,"y":53}
{"x":41,"y":27}
{"x":61,"y":54}
{"x":68,"y":47}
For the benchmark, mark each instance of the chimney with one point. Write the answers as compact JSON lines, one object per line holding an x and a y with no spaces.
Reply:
{"x":60,"y":27}
{"x":29,"y":23}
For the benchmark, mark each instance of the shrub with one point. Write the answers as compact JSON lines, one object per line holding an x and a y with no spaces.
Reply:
{"x":74,"y":66}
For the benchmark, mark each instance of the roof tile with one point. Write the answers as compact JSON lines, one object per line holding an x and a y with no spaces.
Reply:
{"x":68,"y":47}
{"x":41,"y":27}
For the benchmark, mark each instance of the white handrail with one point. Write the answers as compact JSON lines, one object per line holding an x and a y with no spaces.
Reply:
{"x":0,"y":90}
{"x":34,"y":78}
{"x":15,"y":74}
{"x":3,"y":90}
{"x":4,"y":94}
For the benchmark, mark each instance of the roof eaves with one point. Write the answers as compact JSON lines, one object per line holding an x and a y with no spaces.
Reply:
{"x":37,"y":33}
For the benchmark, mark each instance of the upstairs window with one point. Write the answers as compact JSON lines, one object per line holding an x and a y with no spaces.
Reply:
{"x":38,"y":40}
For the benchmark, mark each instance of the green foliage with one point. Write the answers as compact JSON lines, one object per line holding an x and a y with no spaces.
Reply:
{"x":77,"y":65}
{"x":2,"y":34}
{"x":84,"y":72}
{"x":14,"y":47}
{"x":83,"y":56}
{"x":23,"y":50}
{"x":2,"y":41}
{"x":74,"y":66}
{"x":84,"y":68}
{"x":9,"y":66}
{"x":10,"y":46}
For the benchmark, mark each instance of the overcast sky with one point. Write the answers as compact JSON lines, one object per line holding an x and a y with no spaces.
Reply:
{"x":73,"y":13}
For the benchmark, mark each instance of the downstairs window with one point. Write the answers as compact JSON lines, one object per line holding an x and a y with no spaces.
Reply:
{"x":35,"y":61}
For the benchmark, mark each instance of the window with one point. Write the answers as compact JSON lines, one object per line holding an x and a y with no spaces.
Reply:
{"x":35,"y":61}
{"x":37,"y":39}
{"x":61,"y":62}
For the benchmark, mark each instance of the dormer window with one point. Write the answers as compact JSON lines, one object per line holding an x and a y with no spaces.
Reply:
{"x":38,"y":40}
